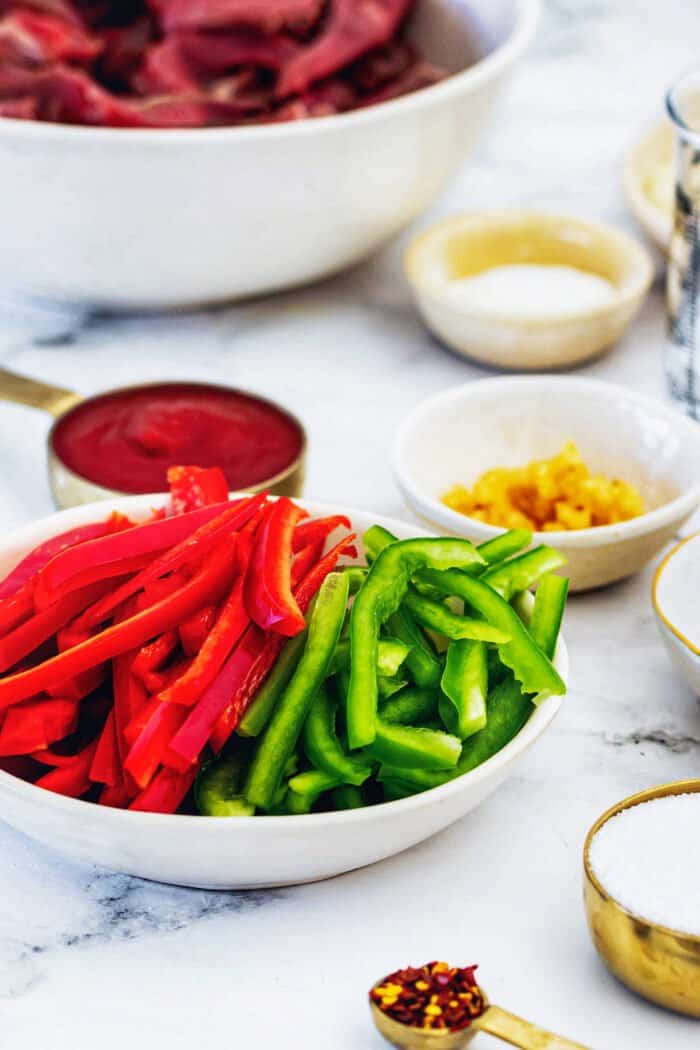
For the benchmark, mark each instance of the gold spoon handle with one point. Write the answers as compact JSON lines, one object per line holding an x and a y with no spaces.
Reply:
{"x":26,"y":391}
{"x":521,"y":1033}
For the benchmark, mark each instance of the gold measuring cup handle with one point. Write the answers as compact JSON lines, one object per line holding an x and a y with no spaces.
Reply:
{"x":32,"y":392}
{"x":521,"y":1033}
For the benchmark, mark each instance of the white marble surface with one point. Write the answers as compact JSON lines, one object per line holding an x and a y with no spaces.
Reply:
{"x":89,"y":959}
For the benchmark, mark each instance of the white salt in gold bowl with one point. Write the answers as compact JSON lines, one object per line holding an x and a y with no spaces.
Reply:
{"x":648,"y":183}
{"x":469,"y":244}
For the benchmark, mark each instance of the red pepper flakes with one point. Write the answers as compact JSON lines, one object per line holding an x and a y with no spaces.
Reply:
{"x":435,"y":996}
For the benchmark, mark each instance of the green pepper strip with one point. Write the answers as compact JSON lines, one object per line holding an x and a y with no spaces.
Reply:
{"x":322,"y":746}
{"x":218,"y":788}
{"x":492,"y":551}
{"x":464,"y":689}
{"x":283,"y":730}
{"x":440,"y":618}
{"x":391,"y":654}
{"x":348,"y":797}
{"x":548,"y":612}
{"x":381,"y":595}
{"x":410,"y":707}
{"x":421,"y":661}
{"x":510,"y":577}
{"x":413,"y":747}
{"x":356,"y":577}
{"x":388,"y":685}
{"x":527,"y":661}
{"x":265,"y":701}
{"x":305,"y":789}
{"x":508,"y":709}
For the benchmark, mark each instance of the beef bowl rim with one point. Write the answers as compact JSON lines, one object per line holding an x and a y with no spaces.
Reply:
{"x":140,"y":507}
{"x":474,"y":76}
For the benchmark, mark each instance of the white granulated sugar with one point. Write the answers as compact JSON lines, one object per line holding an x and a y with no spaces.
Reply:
{"x":526,"y":290}
{"x":648,"y":859}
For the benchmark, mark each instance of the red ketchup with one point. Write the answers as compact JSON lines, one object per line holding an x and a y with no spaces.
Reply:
{"x":127,"y":439}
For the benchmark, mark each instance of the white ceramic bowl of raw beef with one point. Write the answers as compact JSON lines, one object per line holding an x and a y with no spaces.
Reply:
{"x":145,"y":219}
{"x":243,"y":852}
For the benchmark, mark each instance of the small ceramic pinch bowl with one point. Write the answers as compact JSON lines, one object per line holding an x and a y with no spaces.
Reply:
{"x":245,"y":852}
{"x":659,"y":963}
{"x":648,"y":177}
{"x":674,"y":595}
{"x":456,"y":436}
{"x":466,"y":245}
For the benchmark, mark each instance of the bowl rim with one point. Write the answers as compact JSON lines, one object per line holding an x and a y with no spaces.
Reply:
{"x":524,"y":24}
{"x":662,"y":616}
{"x":535,"y":726}
{"x":691,"y":785}
{"x":654,"y":221}
{"x":635,"y":284}
{"x":437,"y":513}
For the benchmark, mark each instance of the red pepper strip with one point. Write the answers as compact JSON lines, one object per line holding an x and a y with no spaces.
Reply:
{"x":82,"y":685}
{"x":209,"y":585}
{"x":197,"y":545}
{"x":166,"y":792}
{"x":320,"y":529}
{"x":305,"y":560}
{"x":116,"y":797}
{"x":232,"y":622}
{"x":191,"y":738}
{"x":35,"y":725}
{"x":51,"y":758}
{"x":194,"y":631}
{"x":268,"y":590}
{"x":129,"y":696}
{"x":41,"y":555}
{"x":45,"y":596}
{"x":148,"y":750}
{"x":254,"y":523}
{"x":153,"y":655}
{"x":270,"y":648}
{"x":194,"y":487}
{"x":158,"y":681}
{"x":72,"y":780}
{"x":18,"y":608}
{"x":44,"y":625}
{"x":106,"y":765}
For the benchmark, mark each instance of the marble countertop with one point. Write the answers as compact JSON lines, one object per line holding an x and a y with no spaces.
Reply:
{"x":91,"y":959}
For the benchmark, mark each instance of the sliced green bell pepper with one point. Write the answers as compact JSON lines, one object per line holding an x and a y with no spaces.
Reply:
{"x":464,"y":688}
{"x":414,"y":747}
{"x":439,"y":618}
{"x":518,"y":574}
{"x":323,"y":747}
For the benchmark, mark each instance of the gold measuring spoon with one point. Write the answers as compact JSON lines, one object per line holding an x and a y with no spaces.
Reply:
{"x":70,"y":489}
{"x":495,"y":1021}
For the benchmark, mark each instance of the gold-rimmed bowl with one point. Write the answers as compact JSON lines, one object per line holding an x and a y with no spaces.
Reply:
{"x":659,"y":963}
{"x":674,"y":597}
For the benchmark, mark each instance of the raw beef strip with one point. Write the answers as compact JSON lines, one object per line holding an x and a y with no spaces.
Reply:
{"x":33,"y":39}
{"x":353,"y":27}
{"x":268,"y":16}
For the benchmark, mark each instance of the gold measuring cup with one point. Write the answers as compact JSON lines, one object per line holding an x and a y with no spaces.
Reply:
{"x":70,"y":489}
{"x":661,"y":964}
{"x":495,"y":1021}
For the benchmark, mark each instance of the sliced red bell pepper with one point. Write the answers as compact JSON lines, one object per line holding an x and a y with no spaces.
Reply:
{"x":191,"y":738}
{"x":44,"y":596}
{"x":232,"y":622}
{"x":194,"y":487}
{"x":270,"y":647}
{"x":37,"y":724}
{"x":72,"y":780}
{"x":305,"y":561}
{"x":148,"y":538}
{"x":166,"y":792}
{"x":106,"y":764}
{"x":194,"y":630}
{"x":160,"y":724}
{"x":158,"y":681}
{"x":152,"y":656}
{"x":116,"y":797}
{"x":209,"y":585}
{"x":17,"y":609}
{"x":318,"y":529}
{"x":82,"y":685}
{"x":33,"y":562}
{"x":192,"y":548}
{"x":268,"y":590}
{"x":44,"y":625}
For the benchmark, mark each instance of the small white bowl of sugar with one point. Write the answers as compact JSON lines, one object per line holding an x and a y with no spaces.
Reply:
{"x":642,"y":893}
{"x":523,"y":289}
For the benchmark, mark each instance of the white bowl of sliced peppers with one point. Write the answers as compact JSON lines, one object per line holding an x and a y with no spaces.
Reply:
{"x":259,"y":693}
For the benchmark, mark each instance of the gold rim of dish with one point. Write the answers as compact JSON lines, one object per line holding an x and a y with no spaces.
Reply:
{"x":677,"y":787}
{"x":654,"y":597}
{"x":636,"y":283}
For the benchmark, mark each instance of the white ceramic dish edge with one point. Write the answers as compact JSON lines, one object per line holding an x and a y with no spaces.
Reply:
{"x":246,"y":852}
